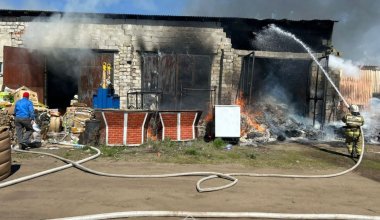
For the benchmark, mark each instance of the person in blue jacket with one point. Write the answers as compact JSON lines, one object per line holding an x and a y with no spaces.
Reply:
{"x":24,"y":116}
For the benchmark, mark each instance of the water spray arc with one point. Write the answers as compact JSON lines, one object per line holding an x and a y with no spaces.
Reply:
{"x":292,"y":36}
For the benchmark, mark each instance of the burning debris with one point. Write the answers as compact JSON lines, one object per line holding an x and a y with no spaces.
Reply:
{"x":271,"y":121}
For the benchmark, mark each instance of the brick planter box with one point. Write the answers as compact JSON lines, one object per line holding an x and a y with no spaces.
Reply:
{"x":119,"y":127}
{"x":179,"y":125}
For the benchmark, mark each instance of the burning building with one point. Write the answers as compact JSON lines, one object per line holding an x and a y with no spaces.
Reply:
{"x":183,"y":62}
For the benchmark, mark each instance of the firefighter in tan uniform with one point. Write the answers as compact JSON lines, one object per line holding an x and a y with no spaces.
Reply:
{"x":353,"y":134}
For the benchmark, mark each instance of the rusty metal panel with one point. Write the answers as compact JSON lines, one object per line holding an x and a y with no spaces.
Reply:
{"x":168,"y":68}
{"x":171,"y":73}
{"x":91,"y":75}
{"x":359,"y":90}
{"x":23,"y":67}
{"x":150,"y":72}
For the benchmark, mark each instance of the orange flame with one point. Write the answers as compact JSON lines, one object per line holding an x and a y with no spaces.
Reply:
{"x":209,"y":117}
{"x":249,"y":116}
{"x":150,"y":134}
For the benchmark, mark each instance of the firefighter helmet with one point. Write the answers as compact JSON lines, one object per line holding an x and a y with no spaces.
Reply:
{"x":354,"y":109}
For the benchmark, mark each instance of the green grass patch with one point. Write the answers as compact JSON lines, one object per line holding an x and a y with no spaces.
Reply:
{"x":371,"y":164}
{"x":199,"y":152}
{"x":218,"y":143}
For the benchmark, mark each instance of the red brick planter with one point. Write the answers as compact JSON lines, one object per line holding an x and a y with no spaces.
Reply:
{"x":179,"y":126}
{"x":120,"y":127}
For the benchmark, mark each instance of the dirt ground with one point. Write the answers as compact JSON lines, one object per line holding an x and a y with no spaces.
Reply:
{"x":72,"y":192}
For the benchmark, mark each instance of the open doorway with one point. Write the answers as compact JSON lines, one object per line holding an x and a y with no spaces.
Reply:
{"x":56,"y":74}
{"x":282,"y":80}
{"x":72,"y":72}
{"x":63,"y":70}
{"x":285,"y":80}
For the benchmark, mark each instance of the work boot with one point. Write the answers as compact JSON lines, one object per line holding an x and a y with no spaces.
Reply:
{"x":16,"y":147}
{"x":23,"y":146}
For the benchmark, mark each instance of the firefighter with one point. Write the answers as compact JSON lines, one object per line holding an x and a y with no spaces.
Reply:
{"x":353,"y":121}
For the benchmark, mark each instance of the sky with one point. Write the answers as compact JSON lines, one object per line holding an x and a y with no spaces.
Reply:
{"x":355,"y":34}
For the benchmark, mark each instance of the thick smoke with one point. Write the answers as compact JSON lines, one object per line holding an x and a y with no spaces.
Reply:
{"x":348,"y":68}
{"x":63,"y":30}
{"x":53,"y":36}
{"x":372,"y":121}
{"x":56,"y":31}
{"x":355,"y":33}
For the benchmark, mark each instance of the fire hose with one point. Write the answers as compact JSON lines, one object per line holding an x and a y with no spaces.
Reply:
{"x":209,"y":175}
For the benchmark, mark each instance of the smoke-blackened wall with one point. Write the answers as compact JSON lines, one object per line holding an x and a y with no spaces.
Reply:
{"x":355,"y":33}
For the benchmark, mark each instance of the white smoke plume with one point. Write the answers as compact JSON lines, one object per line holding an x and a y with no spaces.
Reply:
{"x":56,"y":31}
{"x":355,"y":34}
{"x":347,"y":67}
{"x":64,"y":30}
{"x":372,"y":121}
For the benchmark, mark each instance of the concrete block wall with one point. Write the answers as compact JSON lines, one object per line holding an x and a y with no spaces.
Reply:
{"x":132,"y":37}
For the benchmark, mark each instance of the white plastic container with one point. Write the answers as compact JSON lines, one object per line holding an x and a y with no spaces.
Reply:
{"x":227,"y":121}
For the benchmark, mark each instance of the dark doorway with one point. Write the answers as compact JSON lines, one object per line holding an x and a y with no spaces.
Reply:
{"x":56,"y":74}
{"x":284,"y":80}
{"x":63,"y":68}
{"x":74,"y":71}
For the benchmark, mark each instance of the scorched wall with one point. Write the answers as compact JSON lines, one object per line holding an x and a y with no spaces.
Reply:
{"x":130,"y":38}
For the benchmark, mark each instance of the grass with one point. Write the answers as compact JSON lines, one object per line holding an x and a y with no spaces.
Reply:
{"x":200,"y":152}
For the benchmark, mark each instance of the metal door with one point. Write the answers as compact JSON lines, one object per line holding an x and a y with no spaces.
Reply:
{"x":24,"y":67}
{"x":91,"y":75}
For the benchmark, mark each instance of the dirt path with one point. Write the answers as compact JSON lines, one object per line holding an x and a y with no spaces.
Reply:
{"x":72,"y":192}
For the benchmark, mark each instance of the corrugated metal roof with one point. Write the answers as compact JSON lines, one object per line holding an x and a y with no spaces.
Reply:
{"x":13,"y":12}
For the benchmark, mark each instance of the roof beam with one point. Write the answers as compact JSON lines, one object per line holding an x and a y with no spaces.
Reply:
{"x":285,"y":55}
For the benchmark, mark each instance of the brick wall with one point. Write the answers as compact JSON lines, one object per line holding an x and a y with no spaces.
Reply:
{"x":130,"y":38}
{"x":187,"y":128}
{"x":183,"y":122}
{"x":115,"y":123}
{"x":135,"y":127}
{"x":124,"y":128}
{"x":169,"y":123}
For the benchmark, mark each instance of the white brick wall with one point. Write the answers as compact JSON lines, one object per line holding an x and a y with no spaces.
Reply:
{"x":131,"y":36}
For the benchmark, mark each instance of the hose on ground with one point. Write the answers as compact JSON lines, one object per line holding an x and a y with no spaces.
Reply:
{"x":81,"y":167}
{"x":233,"y":215}
{"x":29,"y":177}
{"x":208,"y":175}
